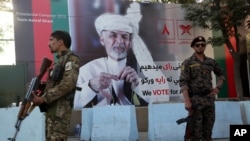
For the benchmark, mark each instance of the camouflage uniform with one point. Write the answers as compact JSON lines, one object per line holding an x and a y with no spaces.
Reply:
{"x":56,"y":96}
{"x":196,"y":77}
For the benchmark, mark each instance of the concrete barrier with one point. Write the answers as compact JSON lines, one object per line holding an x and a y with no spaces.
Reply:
{"x":227,"y":113}
{"x":162,"y":120}
{"x":87,"y":123}
{"x":109,"y":123}
{"x":162,"y":124}
{"x":120,"y":122}
{"x":32,"y":128}
{"x":245,"y":112}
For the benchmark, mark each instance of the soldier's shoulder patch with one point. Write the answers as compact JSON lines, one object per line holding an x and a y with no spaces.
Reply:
{"x":195,"y":65}
{"x":182,"y":67}
{"x":68,"y":66}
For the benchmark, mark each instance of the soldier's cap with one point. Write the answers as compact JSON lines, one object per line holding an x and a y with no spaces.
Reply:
{"x":198,"y":39}
{"x":108,"y":21}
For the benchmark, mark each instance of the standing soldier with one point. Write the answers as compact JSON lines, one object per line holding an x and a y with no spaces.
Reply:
{"x":57,"y":97}
{"x":198,"y":92}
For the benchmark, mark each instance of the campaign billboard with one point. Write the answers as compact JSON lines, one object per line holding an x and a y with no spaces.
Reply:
{"x":162,"y":30}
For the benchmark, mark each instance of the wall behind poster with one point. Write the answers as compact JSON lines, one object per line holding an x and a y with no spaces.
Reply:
{"x":162,"y":27}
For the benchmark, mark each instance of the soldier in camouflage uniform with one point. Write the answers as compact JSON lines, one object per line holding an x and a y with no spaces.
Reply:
{"x":58,"y":93}
{"x":198,"y":92}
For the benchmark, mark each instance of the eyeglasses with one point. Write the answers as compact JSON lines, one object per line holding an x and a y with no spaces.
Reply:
{"x":200,"y":45}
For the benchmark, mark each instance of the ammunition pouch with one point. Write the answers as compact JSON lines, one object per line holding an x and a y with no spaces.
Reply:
{"x":57,"y":73}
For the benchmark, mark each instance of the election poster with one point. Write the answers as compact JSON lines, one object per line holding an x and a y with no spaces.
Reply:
{"x":163,"y":35}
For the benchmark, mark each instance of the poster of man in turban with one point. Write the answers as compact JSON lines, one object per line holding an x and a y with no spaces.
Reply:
{"x":156,"y":46}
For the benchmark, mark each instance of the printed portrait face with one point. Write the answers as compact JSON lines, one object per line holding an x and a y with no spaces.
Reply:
{"x":116,"y":43}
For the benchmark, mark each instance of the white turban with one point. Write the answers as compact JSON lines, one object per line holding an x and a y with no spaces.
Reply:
{"x":110,"y":21}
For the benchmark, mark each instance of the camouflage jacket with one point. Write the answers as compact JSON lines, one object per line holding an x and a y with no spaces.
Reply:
{"x":196,"y":75}
{"x":56,"y":90}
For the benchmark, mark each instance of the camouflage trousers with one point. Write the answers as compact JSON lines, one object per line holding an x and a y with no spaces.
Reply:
{"x":203,"y":118}
{"x":56,"y":129}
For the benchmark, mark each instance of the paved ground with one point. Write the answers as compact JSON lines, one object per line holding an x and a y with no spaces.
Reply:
{"x":142,"y":137}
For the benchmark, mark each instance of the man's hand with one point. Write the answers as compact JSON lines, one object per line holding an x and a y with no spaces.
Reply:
{"x":188,"y":105}
{"x":36,"y":99}
{"x":214,"y":91}
{"x":102,"y":82}
{"x":129,"y":75}
{"x":187,"y":102}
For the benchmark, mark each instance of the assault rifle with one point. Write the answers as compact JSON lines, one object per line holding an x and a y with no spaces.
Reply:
{"x":189,"y":119}
{"x":27,"y":106}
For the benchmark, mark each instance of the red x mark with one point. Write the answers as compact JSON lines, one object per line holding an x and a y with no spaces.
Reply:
{"x":185,"y":29}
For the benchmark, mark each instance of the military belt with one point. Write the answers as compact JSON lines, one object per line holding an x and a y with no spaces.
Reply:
{"x":201,"y":93}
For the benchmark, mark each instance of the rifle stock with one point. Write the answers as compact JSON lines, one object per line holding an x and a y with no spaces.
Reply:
{"x":27,"y":105}
{"x":189,"y":119}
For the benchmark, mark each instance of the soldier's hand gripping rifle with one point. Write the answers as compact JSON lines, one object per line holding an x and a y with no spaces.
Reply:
{"x":27,"y":106}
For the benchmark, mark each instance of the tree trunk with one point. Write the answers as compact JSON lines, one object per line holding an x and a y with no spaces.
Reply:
{"x":237,"y":77}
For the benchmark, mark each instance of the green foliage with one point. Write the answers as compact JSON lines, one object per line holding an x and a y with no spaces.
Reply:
{"x":199,"y":14}
{"x":218,"y":15}
{"x":216,"y":41}
{"x":3,"y":29}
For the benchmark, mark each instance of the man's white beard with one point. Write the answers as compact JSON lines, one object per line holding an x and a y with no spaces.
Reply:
{"x":118,"y":56}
